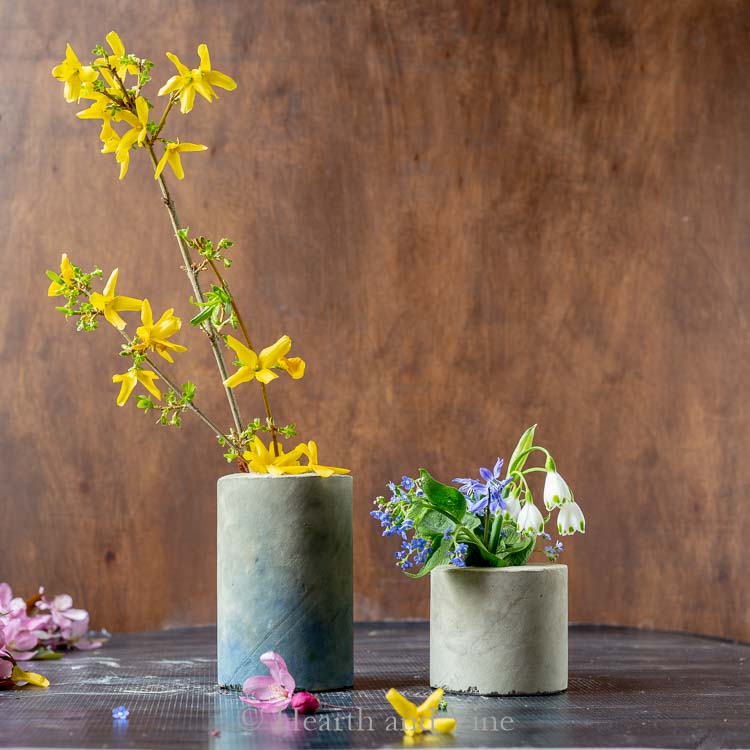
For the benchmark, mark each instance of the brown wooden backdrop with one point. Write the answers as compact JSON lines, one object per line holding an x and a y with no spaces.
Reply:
{"x":470,"y":216}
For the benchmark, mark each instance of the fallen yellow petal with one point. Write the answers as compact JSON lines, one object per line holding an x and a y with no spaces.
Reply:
{"x":19,"y":676}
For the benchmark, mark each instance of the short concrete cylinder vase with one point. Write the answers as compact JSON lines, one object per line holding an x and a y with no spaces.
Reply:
{"x":284,"y":576}
{"x":499,"y":631}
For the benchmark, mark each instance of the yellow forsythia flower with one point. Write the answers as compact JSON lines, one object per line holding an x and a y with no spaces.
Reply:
{"x":73,"y":74}
{"x":111,"y":304}
{"x":422,"y":718}
{"x":154,"y":335}
{"x":260,"y":456}
{"x":138,"y":131}
{"x":263,"y":460}
{"x":311,"y":451}
{"x":118,"y":51}
{"x":67,"y":275}
{"x":98,"y":110}
{"x":172,"y":157}
{"x":131,"y":378}
{"x":111,"y":142}
{"x":200,"y":80}
{"x":295,"y":366}
{"x":254,"y":366}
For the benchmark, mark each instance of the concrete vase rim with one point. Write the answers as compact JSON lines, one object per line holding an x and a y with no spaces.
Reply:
{"x":529,"y":567}
{"x":307,"y":475}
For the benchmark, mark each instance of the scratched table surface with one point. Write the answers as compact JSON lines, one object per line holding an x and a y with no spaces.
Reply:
{"x":627,"y":689}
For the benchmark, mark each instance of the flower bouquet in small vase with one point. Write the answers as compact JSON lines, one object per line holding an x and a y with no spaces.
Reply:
{"x":498,"y":623}
{"x":284,"y":519}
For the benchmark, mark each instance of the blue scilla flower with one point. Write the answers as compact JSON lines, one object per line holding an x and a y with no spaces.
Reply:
{"x":420,"y":557}
{"x":488,"y":491}
{"x":447,"y":533}
{"x":407,"y":483}
{"x":459,"y":555}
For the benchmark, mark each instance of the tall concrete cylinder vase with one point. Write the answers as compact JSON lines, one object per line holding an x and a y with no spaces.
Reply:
{"x":285,"y":577}
{"x":499,"y":631}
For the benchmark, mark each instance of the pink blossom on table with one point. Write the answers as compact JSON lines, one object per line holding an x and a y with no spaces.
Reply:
{"x":9,"y":603}
{"x":270,"y":693}
{"x":305,"y":703}
{"x":67,"y":625}
{"x":19,"y":629}
{"x":20,"y":638}
{"x":6,"y":661}
{"x":6,"y":668}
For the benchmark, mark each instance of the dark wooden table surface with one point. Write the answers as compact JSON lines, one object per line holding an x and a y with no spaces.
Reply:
{"x":627,"y":689}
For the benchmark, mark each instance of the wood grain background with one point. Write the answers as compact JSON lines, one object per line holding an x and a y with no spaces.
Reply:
{"x":470,"y":217}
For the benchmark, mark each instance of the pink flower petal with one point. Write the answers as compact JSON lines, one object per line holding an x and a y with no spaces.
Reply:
{"x":22,"y":655}
{"x":253,"y":684}
{"x":267,"y":707}
{"x":84,"y":644}
{"x":62,"y":602}
{"x":6,"y":669}
{"x":76,"y":614}
{"x":275,"y":664}
{"x":287,"y":681}
{"x":278,"y":669}
{"x":6,"y":595}
{"x":25,"y":641}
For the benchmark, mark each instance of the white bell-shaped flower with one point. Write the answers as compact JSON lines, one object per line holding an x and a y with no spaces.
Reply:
{"x":530,"y":520}
{"x":556,"y":491}
{"x":570,"y":519}
{"x":512,"y":507}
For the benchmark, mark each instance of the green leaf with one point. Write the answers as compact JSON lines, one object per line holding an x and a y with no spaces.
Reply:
{"x":433,"y":522}
{"x":46,"y":654}
{"x":444,"y":498}
{"x":438,"y":556}
{"x":520,"y":556}
{"x":202,"y":316}
{"x":416,"y":512}
{"x":517,"y":459}
{"x":470,"y":521}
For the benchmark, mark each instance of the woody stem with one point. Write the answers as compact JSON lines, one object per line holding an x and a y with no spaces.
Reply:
{"x":198,"y":292}
{"x":243,"y":328}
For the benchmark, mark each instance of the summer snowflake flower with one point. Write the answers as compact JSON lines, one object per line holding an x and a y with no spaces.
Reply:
{"x":512,"y":506}
{"x":570,"y":519}
{"x":111,"y":304}
{"x":556,"y":491}
{"x":530,"y":520}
